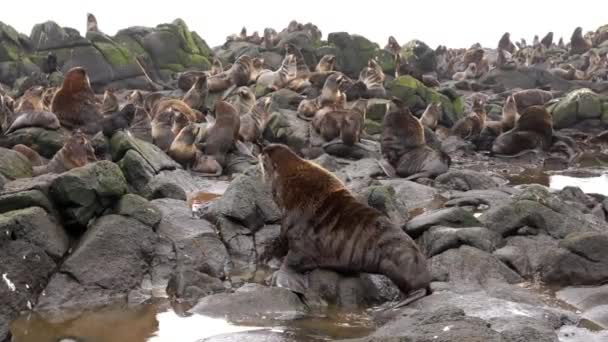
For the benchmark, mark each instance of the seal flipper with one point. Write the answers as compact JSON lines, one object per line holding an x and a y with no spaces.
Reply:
{"x":287,"y":277}
{"x":412,"y":297}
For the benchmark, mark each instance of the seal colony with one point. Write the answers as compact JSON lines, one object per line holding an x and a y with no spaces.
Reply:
{"x":247,"y":107}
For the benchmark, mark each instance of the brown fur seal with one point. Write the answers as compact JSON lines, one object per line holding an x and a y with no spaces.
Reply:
{"x":216,"y":67}
{"x":186,"y":79}
{"x":506,"y":44}
{"x":244,"y":71}
{"x":279,"y":79}
{"x":431,"y":115}
{"x":110,"y":102}
{"x":31,"y":101}
{"x":353,"y":123}
{"x":179,"y":122}
{"x":75,"y":103}
{"x":373,"y":78}
{"x":162,"y":135}
{"x":254,"y":122}
{"x":243,"y":101}
{"x":393,"y":46}
{"x":120,"y":120}
{"x":403,"y":144}
{"x":92,"y":23}
{"x":578,"y":44}
{"x":46,"y":120}
{"x":76,"y":152}
{"x":220,"y":137}
{"x":330,"y":96}
{"x":179,"y":106}
{"x":534,"y":129}
{"x":509,"y":114}
{"x":469,"y":73}
{"x":183,"y":148}
{"x":207,"y":166}
{"x":30,"y":154}
{"x":196,"y":97}
{"x":326,"y":64}
{"x":471,"y":125}
{"x":547,"y":40}
{"x":531,"y":97}
{"x":325,"y":226}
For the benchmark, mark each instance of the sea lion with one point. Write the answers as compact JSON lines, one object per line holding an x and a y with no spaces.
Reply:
{"x":403,"y":144}
{"x":162,"y":134}
{"x":75,"y":104}
{"x":220,"y":137}
{"x":33,"y":156}
{"x":279,"y":79}
{"x":92,"y":23}
{"x":578,"y":44}
{"x":119,"y":120}
{"x":41,"y":119}
{"x":76,"y":152}
{"x":110,"y":102}
{"x":183,"y":148}
{"x":326,"y":64}
{"x":243,"y":101}
{"x":469,"y":73}
{"x":534,"y":129}
{"x":326,"y":227}
{"x":431,"y":115}
{"x":253,"y":123}
{"x":505,"y":43}
{"x":31,"y":101}
{"x":471,"y":125}
{"x":547,"y":40}
{"x":196,"y":97}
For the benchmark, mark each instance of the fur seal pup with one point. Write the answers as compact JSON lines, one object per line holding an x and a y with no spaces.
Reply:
{"x":431,"y":115}
{"x":353,"y":123}
{"x":469,"y":73}
{"x":253,"y":123}
{"x":183,"y":148}
{"x":533,"y":130}
{"x":42,"y":119}
{"x":75,"y":104}
{"x":179,"y":122}
{"x":326,"y":227}
{"x":110,"y":102}
{"x":196,"y":97}
{"x":221,"y":136}
{"x":119,"y":120}
{"x":281,"y":78}
{"x":76,"y":152}
{"x":31,"y":101}
{"x":471,"y":125}
{"x":92,"y":23}
{"x":243,"y":101}
{"x":403,"y":144}
{"x":186,"y":79}
{"x":161,"y":128}
{"x":330,"y":96}
{"x":505,"y":43}
{"x":178,"y":106}
{"x":578,"y":44}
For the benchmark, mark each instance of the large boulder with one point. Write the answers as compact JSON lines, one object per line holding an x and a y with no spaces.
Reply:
{"x":420,"y":56}
{"x":14,"y":55}
{"x":414,"y":93}
{"x":578,"y":105}
{"x":524,"y":78}
{"x":448,"y":217}
{"x":353,"y":52}
{"x":14,"y":165}
{"x":45,"y":142}
{"x":85,"y":192}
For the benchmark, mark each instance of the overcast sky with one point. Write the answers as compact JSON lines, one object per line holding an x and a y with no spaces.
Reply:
{"x":455,"y":23}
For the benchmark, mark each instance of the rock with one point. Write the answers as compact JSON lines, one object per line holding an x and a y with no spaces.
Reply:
{"x":376,"y":109}
{"x":137,"y":171}
{"x":14,"y":165}
{"x":86,"y":191}
{"x":14,"y":62}
{"x":36,"y":227}
{"x":448,"y":324}
{"x":410,"y":90}
{"x":24,"y":269}
{"x":139,"y":208}
{"x":524,"y":78}
{"x":247,"y":201}
{"x":471,"y":265}
{"x":412,"y":194}
{"x":352,"y":52}
{"x":285,"y":128}
{"x":156,"y":159}
{"x":439,"y":239}
{"x":45,"y":142}
{"x":250,"y":336}
{"x":449,"y":217}
{"x":358,"y":175}
{"x":465,"y":180}
{"x":590,"y":300}
{"x":384,"y":199}
{"x":252,"y":303}
{"x":476,"y":198}
{"x":177,"y":183}
{"x":25,"y":199}
{"x":420,"y":56}
{"x":191,"y":285}
{"x":578,"y":105}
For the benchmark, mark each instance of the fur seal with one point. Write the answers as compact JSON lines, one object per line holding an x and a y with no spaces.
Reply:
{"x":221,"y":136}
{"x":216,"y":67}
{"x":92,"y":23}
{"x":547,"y":40}
{"x":162,"y":134}
{"x":393,"y":46}
{"x":186,"y":79}
{"x":534,"y":129}
{"x":244,"y":71}
{"x":110,"y":102}
{"x":183,"y":148}
{"x":281,"y":78}
{"x":75,"y":103}
{"x":403,"y":144}
{"x":31,"y":101}
{"x":469,"y":73}
{"x":509,"y":114}
{"x":253,"y":123}
{"x":47,"y":97}
{"x":179,"y":122}
{"x":326,"y":64}
{"x":196,"y":97}
{"x":270,"y":39}
{"x":330,"y":96}
{"x":50,"y":63}
{"x":531,"y":97}
{"x":178,"y":106}
{"x":431,"y":115}
{"x":76,"y":152}
{"x":373,"y":77}
{"x":505,"y":43}
{"x":207,"y":166}
{"x":578,"y":44}
{"x":42,"y":119}
{"x":471,"y":125}
{"x":326,"y":227}
{"x":353,"y":123}
{"x":243,"y":101}
{"x":119,"y":120}
{"x":30,"y":154}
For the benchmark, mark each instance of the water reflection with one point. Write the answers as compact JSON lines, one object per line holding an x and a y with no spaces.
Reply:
{"x":594,"y":185}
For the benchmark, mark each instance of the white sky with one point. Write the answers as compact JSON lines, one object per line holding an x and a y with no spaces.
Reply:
{"x":455,"y":23}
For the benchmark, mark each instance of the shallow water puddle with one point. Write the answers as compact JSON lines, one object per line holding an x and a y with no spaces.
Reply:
{"x":589,"y":183}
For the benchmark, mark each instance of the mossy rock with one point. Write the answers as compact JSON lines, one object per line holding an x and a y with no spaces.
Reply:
{"x":43,"y":141}
{"x":139,"y":208}
{"x":420,"y":55}
{"x":137,"y":170}
{"x":154,"y":156}
{"x":376,"y":109}
{"x":408,"y":88}
{"x":580,"y":104}
{"x":352,"y":51}
{"x":14,"y":165}
{"x":116,"y":55}
{"x":605,"y":112}
{"x":25,"y":199}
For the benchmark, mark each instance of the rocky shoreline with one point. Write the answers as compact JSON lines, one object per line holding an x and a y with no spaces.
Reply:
{"x":509,"y":262}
